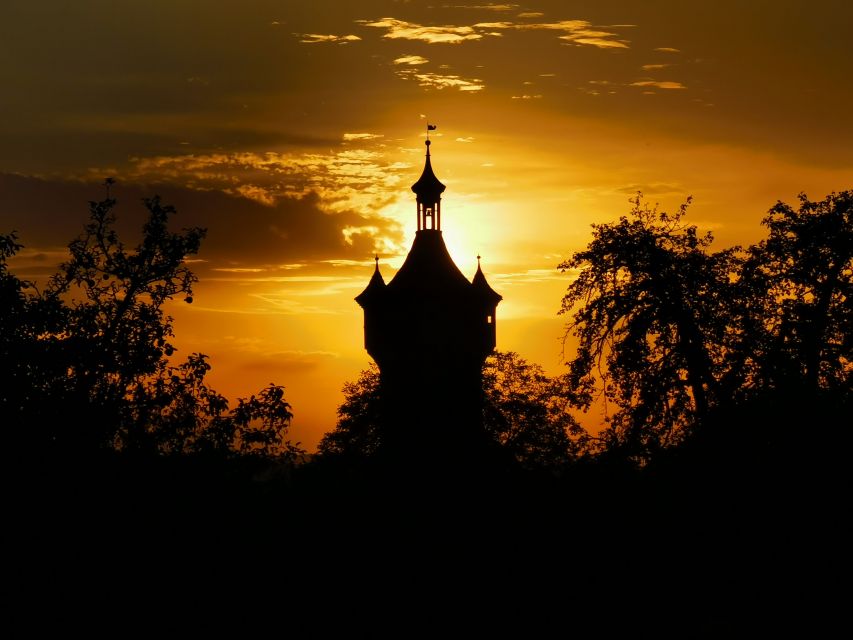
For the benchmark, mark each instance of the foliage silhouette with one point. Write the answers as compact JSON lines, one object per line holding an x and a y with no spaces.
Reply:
{"x":802,"y":275}
{"x":524,"y":412}
{"x":672,"y":334}
{"x":649,"y":312}
{"x":86,"y":361}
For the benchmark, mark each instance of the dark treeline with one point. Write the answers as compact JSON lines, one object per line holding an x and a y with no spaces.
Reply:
{"x":725,"y":378}
{"x":682,"y":348}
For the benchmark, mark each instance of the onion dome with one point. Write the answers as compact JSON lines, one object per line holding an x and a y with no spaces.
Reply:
{"x":428,"y":188}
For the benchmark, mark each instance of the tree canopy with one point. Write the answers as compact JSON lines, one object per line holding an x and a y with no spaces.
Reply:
{"x":670,"y":332}
{"x":524,"y":412}
{"x":88,"y":359}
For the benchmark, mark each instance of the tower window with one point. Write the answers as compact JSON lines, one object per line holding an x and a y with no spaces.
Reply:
{"x":489,"y":319}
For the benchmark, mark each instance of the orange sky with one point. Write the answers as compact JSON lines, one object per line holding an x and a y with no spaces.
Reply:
{"x":293,"y":131}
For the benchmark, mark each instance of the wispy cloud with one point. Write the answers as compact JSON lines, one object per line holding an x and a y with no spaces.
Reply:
{"x":315,"y":38}
{"x":443,"y":81}
{"x":361,"y":136}
{"x":487,"y":7}
{"x":527,"y":97}
{"x":466,"y":139}
{"x":659,"y":84}
{"x":668,"y":49}
{"x":530,"y":14}
{"x":402,"y":30}
{"x":411,"y":60}
{"x":601,"y":43}
{"x":653,"y":67}
{"x":579,"y":32}
{"x":348,"y":179}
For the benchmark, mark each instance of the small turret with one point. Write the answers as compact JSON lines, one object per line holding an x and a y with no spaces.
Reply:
{"x":489,"y":299}
{"x":374,"y":288}
{"x":428,"y":190}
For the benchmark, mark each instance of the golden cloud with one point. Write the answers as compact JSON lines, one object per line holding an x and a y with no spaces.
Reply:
{"x":361,"y":136}
{"x":665,"y":84}
{"x":315,"y":38}
{"x":487,"y":7}
{"x":439,"y":81}
{"x":411,"y":60}
{"x":349,"y":179}
{"x":576,"y":31}
{"x":400,"y":29}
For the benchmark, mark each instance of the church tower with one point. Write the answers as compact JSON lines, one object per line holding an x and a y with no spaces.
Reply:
{"x":429,"y":330}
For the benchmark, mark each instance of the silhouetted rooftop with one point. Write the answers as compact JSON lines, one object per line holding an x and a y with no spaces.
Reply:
{"x":428,"y":188}
{"x":482,"y":287}
{"x":375,"y":286}
{"x":429,"y":268}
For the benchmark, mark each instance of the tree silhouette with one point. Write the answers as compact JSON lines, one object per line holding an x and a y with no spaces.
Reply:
{"x":357,"y":432}
{"x":802,"y":275}
{"x":649,"y":309}
{"x":524,"y":411}
{"x":671,"y":333}
{"x":86,"y":361}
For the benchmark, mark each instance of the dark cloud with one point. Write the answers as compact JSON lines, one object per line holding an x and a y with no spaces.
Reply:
{"x":241,"y":232}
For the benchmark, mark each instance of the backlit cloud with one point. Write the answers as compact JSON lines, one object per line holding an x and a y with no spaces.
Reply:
{"x":601,"y":43}
{"x":440,"y":81}
{"x":665,"y":84}
{"x":653,"y":67}
{"x":668,"y":49}
{"x":400,"y":29}
{"x":411,"y":60}
{"x":579,"y":32}
{"x":349,"y":179}
{"x":361,"y":136}
{"x":315,"y":38}
{"x":247,"y":239}
{"x":487,"y":7}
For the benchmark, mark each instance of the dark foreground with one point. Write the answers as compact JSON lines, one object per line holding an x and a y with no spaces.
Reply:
{"x":121,"y":546}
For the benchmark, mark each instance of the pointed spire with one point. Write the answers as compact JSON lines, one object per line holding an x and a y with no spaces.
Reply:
{"x":428,"y":188}
{"x":482,"y":287}
{"x":376,"y":285}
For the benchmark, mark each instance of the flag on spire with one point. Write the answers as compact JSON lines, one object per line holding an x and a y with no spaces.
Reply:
{"x":430,"y":127}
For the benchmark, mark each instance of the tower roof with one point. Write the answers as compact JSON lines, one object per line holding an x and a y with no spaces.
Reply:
{"x":375,"y":287}
{"x":429,"y":269}
{"x":428,"y":188}
{"x":482,"y":287}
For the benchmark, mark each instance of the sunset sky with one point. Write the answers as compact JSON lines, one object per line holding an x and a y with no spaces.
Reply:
{"x":294,"y":130}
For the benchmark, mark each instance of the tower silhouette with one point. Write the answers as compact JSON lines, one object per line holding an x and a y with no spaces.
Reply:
{"x":430,"y":330}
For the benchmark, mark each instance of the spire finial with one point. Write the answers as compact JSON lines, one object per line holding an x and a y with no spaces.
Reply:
{"x":376,"y":258}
